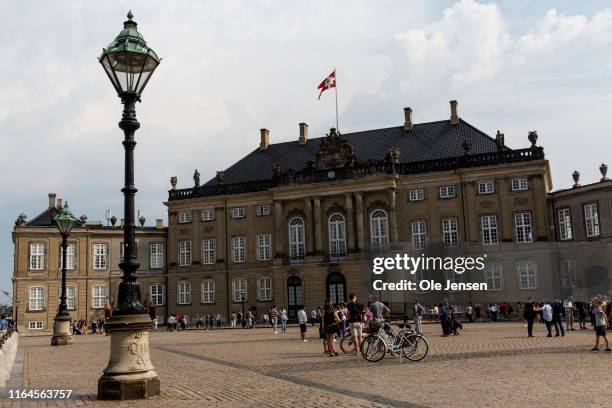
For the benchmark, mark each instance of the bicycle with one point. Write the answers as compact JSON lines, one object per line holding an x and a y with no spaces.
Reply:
{"x":348,"y":344}
{"x":405,"y":343}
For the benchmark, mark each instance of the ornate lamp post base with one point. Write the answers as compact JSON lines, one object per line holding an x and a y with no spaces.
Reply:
{"x":61,"y":331}
{"x":129,"y":373}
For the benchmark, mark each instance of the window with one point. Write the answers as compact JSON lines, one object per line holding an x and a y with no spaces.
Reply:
{"x":156,"y":294}
{"x":36,"y":300}
{"x":522,"y":225}
{"x":70,"y":257}
{"x":568,"y":274}
{"x":565,"y":223}
{"x":238,"y":212}
{"x":447,"y":191}
{"x":156,"y":255}
{"x":263,"y":210}
{"x":184,"y":217}
{"x":454,"y":277}
{"x":208,"y":215}
{"x":100,"y":256}
{"x":37,"y":256}
{"x":494,"y":276}
{"x":519,"y":184}
{"x":184,"y":293}
{"x":379,"y":230}
{"x":296,"y":238}
{"x":420,"y":275}
{"x":486,"y":187}
{"x":419,"y":235}
{"x":450,"y":232}
{"x":70,"y":296}
{"x":208,"y":291}
{"x":264,"y":289}
{"x":239,"y":290}
{"x":488,"y":229}
{"x":239,"y":249}
{"x":416,"y":195}
{"x":208,"y":252}
{"x":35,"y":325}
{"x":337,"y":236}
{"x":184,"y":253}
{"x":100,"y":295}
{"x":264,"y":247}
{"x":527,"y":275}
{"x":591,"y":220}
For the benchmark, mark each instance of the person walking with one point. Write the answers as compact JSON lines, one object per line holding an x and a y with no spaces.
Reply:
{"x":330,"y":323}
{"x":302,"y":320}
{"x":419,"y":310}
{"x":601,"y":321}
{"x":558,"y":313}
{"x":580,"y":308}
{"x":283,"y":320}
{"x":355,"y":313}
{"x":469,"y":313}
{"x":568,"y":306}
{"x":529,"y":315}
{"x":444,"y":318}
{"x":313,"y":317}
{"x":547,"y":316}
{"x":274,"y":318}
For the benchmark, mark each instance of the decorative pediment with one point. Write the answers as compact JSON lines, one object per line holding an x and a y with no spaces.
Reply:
{"x":378,"y":204}
{"x":335,"y":208}
{"x":334,"y":152}
{"x":296,"y":212}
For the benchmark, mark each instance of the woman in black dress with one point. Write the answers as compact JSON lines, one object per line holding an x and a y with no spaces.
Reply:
{"x":330,"y":326}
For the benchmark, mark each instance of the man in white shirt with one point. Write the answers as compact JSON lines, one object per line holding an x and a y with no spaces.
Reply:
{"x":313,"y":317}
{"x":547,"y":315}
{"x":302,"y":319}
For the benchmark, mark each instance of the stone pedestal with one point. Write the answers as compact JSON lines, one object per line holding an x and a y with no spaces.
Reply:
{"x":129,"y":373}
{"x":61,"y":331}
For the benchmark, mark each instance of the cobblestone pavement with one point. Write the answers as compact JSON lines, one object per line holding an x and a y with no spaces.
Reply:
{"x":490,"y":364}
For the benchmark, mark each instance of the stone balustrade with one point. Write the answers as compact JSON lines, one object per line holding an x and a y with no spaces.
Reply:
{"x":8,"y":351}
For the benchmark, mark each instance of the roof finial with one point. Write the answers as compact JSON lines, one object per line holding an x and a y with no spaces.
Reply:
{"x":130,"y":16}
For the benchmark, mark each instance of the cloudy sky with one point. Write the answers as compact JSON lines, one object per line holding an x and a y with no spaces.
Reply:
{"x":233,"y":67}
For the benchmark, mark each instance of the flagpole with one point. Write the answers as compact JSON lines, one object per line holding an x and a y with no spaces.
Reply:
{"x":336,"y":89}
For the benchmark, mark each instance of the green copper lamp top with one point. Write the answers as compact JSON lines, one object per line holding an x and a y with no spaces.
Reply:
{"x":130,"y":40}
{"x":65,"y":220}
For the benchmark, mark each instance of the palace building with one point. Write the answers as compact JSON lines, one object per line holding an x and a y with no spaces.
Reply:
{"x":295,"y":222}
{"x":93,"y":273}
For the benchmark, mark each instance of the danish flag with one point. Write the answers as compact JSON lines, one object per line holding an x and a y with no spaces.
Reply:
{"x":329,"y":82}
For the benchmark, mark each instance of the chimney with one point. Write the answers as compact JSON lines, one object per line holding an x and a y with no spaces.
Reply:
{"x":159,"y":223}
{"x":59,"y":203}
{"x":303,"y":133}
{"x":407,"y":118}
{"x":51,"y":200}
{"x":265,"y":139}
{"x":454,"y":118}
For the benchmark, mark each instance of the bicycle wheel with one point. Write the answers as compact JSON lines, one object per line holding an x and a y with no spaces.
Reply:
{"x":415,"y":347}
{"x":348,"y":345}
{"x":373,"y":348}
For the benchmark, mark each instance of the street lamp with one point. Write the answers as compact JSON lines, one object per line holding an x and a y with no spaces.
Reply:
{"x":129,"y":64}
{"x":61,"y":326}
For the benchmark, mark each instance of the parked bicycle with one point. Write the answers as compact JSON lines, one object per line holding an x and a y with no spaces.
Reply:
{"x":404,"y":343}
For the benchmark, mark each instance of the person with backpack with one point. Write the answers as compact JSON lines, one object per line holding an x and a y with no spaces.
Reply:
{"x":601,"y":321}
{"x":356,"y":315}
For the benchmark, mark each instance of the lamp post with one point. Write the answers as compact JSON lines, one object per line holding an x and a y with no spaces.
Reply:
{"x":61,"y":326}
{"x":129,"y":64}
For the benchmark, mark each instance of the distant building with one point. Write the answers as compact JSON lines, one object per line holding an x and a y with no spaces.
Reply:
{"x":93,"y":273}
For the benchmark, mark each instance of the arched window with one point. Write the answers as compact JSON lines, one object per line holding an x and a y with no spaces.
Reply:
{"x":264,"y":289}
{"x":337,"y":236}
{"x":336,"y":288}
{"x":379,"y":230}
{"x":208,"y":291}
{"x":296,"y":239}
{"x":294,"y":295}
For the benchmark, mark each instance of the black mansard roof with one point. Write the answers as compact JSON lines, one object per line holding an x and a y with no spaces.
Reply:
{"x":426,"y":141}
{"x":427,"y":147}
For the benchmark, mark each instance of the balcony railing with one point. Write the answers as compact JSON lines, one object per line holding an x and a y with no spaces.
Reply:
{"x":309,"y":176}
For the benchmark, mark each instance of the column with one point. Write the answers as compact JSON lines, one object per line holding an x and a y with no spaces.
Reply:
{"x":278,"y":229}
{"x":221,"y":237}
{"x":392,"y":215}
{"x":196,"y":237}
{"x":350,"y":234}
{"x":309,"y":225}
{"x":317,"y":228}
{"x":359,"y":221}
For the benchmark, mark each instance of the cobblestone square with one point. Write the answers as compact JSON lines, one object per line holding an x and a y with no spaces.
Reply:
{"x":490,"y":364}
